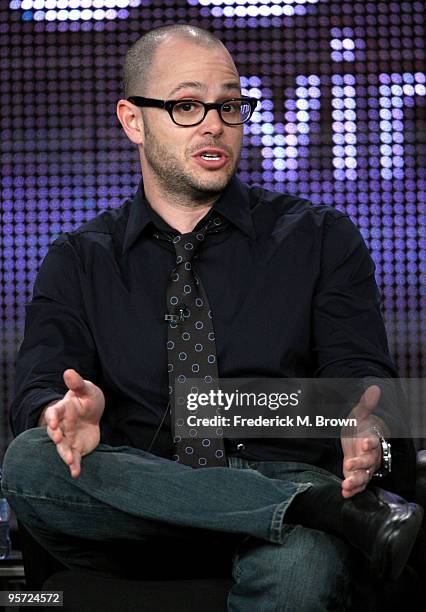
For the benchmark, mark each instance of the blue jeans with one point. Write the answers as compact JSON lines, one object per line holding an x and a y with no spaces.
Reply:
{"x":124,"y":493}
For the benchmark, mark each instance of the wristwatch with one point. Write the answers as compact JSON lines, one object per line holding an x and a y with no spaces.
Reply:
{"x":386,"y":465}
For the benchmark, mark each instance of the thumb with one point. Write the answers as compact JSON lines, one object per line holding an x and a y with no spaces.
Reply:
{"x":367,"y":403}
{"x":74,"y":381}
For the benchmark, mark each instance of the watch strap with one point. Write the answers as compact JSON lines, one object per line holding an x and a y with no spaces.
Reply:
{"x":386,"y":465}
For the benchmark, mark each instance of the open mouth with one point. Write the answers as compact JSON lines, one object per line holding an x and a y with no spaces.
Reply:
{"x":211,"y":158}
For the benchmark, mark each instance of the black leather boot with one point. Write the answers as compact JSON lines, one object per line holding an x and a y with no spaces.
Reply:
{"x":380,"y":524}
{"x":384,"y":527}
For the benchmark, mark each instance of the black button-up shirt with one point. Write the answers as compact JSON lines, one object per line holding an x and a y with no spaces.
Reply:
{"x":292,"y":291}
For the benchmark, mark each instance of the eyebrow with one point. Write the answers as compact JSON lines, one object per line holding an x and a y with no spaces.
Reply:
{"x":202,"y":87}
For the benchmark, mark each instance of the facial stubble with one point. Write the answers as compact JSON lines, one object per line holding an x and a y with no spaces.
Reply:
{"x":175,"y":180}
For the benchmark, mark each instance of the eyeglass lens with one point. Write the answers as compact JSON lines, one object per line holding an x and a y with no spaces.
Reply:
{"x":189,"y":113}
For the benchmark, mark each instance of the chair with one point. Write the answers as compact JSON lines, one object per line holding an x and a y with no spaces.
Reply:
{"x":195,"y":588}
{"x":190,"y":587}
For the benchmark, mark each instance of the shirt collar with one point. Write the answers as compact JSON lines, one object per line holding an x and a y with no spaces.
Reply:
{"x":233,"y":204}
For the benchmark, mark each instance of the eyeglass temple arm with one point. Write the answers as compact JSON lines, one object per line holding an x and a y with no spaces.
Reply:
{"x":141,"y":101}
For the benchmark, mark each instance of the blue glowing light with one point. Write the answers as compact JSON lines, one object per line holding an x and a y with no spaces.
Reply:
{"x":85,"y":10}
{"x":74,"y":10}
{"x":251,"y":8}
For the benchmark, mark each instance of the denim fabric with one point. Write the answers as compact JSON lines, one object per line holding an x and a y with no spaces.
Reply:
{"x":124,"y":493}
{"x":308,"y":572}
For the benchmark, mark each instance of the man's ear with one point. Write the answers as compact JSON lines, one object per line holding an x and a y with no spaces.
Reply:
{"x":131,"y":119}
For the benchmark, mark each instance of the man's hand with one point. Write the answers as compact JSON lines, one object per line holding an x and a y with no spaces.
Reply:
{"x":73,"y":421}
{"x":362,"y":449}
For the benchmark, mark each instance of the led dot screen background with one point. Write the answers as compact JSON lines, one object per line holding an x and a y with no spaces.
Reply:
{"x":341,"y":122}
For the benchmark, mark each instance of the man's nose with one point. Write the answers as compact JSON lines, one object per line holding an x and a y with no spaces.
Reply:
{"x":212,"y":123}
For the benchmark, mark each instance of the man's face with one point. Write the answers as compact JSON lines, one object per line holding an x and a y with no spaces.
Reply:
{"x":171,"y":155}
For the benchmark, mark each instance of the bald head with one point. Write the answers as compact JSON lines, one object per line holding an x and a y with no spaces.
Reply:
{"x":139,"y":60}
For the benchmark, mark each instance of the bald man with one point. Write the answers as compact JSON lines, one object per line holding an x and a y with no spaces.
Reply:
{"x":94,"y":461}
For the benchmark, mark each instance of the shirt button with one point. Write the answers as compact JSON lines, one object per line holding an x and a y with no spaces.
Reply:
{"x":241,"y":447}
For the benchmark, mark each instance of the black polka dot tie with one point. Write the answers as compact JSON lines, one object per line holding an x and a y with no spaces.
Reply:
{"x":191,"y":346}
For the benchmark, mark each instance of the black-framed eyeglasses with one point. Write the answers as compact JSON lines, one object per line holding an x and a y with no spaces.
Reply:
{"x":189,"y":112}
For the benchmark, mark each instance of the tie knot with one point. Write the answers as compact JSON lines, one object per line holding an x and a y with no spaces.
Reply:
{"x":187,"y":245}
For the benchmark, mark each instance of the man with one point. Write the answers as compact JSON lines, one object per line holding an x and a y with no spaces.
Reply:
{"x":98,"y":466}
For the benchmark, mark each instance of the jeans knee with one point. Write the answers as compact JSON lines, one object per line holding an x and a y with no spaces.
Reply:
{"x":309,"y":572}
{"x":25,"y":457}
